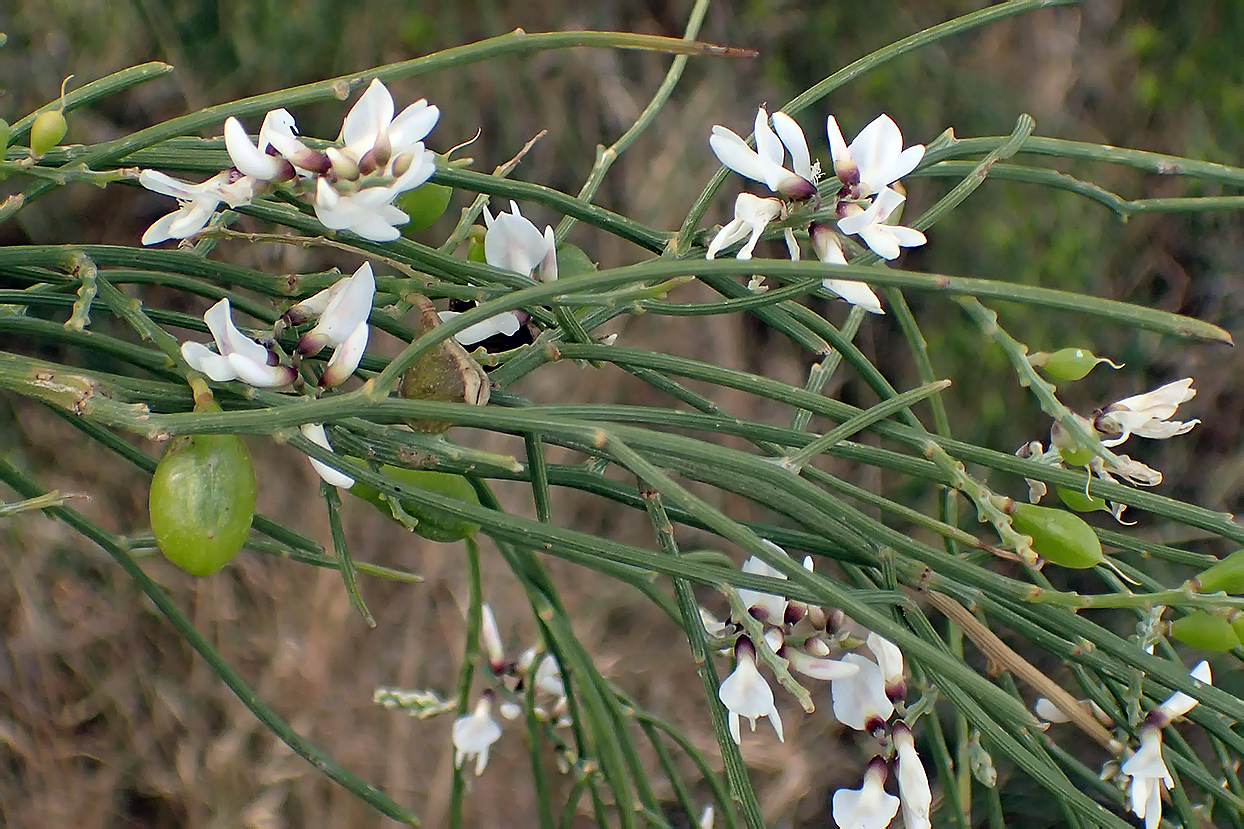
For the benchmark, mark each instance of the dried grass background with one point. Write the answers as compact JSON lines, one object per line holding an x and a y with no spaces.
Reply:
{"x":107,"y":719}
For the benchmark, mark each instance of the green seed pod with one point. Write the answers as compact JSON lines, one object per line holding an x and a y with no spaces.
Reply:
{"x":572,"y":261}
{"x":475,"y":250}
{"x":1078,"y":500}
{"x":5,"y":132}
{"x":202,"y":500}
{"x":1068,"y":364}
{"x":424,"y":205}
{"x":1227,"y":575}
{"x":1058,"y":536}
{"x":429,"y":523}
{"x":47,"y":131}
{"x":1207,"y":631}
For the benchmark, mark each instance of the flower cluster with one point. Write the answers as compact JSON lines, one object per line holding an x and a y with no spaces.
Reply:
{"x":1144,"y":415}
{"x":867,"y":170}
{"x":352,"y":183}
{"x":866,"y":693}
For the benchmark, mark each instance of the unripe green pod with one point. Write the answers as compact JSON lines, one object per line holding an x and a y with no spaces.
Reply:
{"x":1227,"y":575}
{"x":1076,"y":457}
{"x":1080,"y":501}
{"x":1068,"y":364}
{"x":1058,"y":536}
{"x":475,"y":250}
{"x":202,"y":500}
{"x":424,"y":205}
{"x":47,"y":131}
{"x":572,"y":261}
{"x":5,"y":132}
{"x":428,"y":522}
{"x":1207,"y":631}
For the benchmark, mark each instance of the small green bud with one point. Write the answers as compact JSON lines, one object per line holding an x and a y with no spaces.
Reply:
{"x":1207,"y":631}
{"x":428,"y":522}
{"x":424,"y":205}
{"x":475,"y":251}
{"x":1058,"y":536}
{"x":1227,"y":575}
{"x":1068,"y":364}
{"x":1078,"y":500}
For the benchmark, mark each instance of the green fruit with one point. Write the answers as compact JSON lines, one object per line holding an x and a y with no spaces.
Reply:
{"x":1226,"y":575}
{"x":1070,"y":364}
{"x":47,"y":131}
{"x":1080,"y":501}
{"x":572,"y":261}
{"x":1206,"y":631}
{"x":475,"y":250}
{"x":202,"y":501}
{"x":1076,"y":457}
{"x":429,"y":522}
{"x":5,"y":130}
{"x":424,"y":205}
{"x":1058,"y":536}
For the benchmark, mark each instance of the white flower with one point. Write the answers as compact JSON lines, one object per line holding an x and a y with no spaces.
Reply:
{"x":369,"y":212}
{"x":764,"y":164}
{"x":870,"y":225}
{"x":860,"y":701}
{"x":913,"y":781}
{"x":506,"y":323}
{"x":819,"y":667}
{"x":1149,"y":776}
{"x":890,"y":661}
{"x":868,"y":807}
{"x":1147,"y":415}
{"x":707,"y":818}
{"x":280,"y":133}
{"x":764,"y":606}
{"x":343,"y":310}
{"x":1180,"y":703}
{"x":256,"y":161}
{"x":474,"y":734}
{"x":369,"y":127}
{"x":314,"y":432}
{"x":237,"y":357}
{"x":828,"y":249}
{"x":752,"y":215}
{"x":745,"y":693}
{"x":198,"y":201}
{"x":491,"y":639}
{"x":548,"y":677}
{"x":513,"y":243}
{"x":876,"y":157}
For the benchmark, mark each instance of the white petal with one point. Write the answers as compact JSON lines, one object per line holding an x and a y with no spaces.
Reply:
{"x":260,"y":375}
{"x":349,"y":307}
{"x":513,"y":243}
{"x":229,"y":339}
{"x":314,"y":432}
{"x":817,"y":668}
{"x":346,"y":358}
{"x":369,"y":116}
{"x":774,"y":607}
{"x":548,"y":265}
{"x":889,"y":657}
{"x":792,"y":136}
{"x":733,"y":152}
{"x":203,"y":359}
{"x":247,"y":157}
{"x":856,"y":293}
{"x":862,"y":697}
{"x":413,"y":124}
{"x":504,"y":323}
{"x":837,"y":144}
{"x":768,"y":145}
{"x":1180,"y":703}
{"x":913,"y":782}
{"x":159,"y":230}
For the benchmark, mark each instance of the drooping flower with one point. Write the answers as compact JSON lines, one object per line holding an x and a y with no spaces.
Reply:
{"x":314,"y":432}
{"x":343,"y":310}
{"x":868,"y":807}
{"x":198,"y":202}
{"x":875,"y":159}
{"x":860,"y":701}
{"x":913,"y":780}
{"x":869,"y":224}
{"x":1149,"y":776}
{"x":764,"y":606}
{"x":752,"y":214}
{"x":828,"y":249}
{"x":257,"y":161}
{"x":1147,"y":415}
{"x":819,"y":667}
{"x":746,"y":693}
{"x":474,"y":734}
{"x":1179,"y":703}
{"x":237,"y":356}
{"x":890,"y":661}
{"x":764,"y":164}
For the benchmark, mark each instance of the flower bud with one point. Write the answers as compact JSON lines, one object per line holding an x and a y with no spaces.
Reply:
{"x":1226,"y":575}
{"x":1068,"y":364}
{"x":1207,"y":631}
{"x":1058,"y":536}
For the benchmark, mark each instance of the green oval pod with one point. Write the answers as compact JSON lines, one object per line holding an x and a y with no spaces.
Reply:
{"x":1076,"y":457}
{"x":202,"y":500}
{"x":1207,"y":631}
{"x":1227,"y":575}
{"x":572,"y":261}
{"x":1058,"y":536}
{"x":424,"y":205}
{"x":47,"y":131}
{"x":1068,"y":364}
{"x":430,"y":523}
{"x":1080,"y":501}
